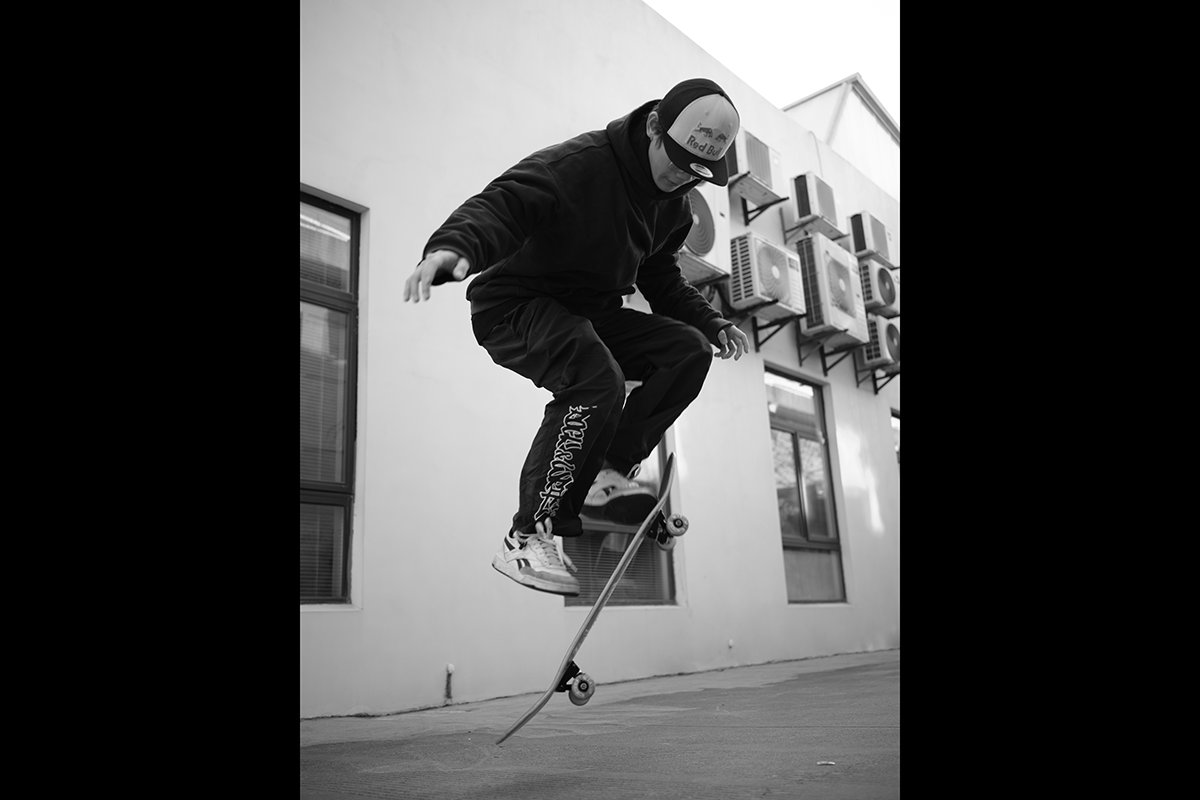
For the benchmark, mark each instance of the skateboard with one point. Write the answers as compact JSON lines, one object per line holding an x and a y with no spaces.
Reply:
{"x":578,"y":685}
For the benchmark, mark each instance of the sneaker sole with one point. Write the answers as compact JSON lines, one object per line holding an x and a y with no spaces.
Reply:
{"x":624,"y":510}
{"x":534,"y":582}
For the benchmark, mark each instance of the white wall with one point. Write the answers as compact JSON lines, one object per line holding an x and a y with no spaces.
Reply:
{"x":817,"y":113}
{"x":863,"y":140}
{"x":858,"y":136}
{"x":407,"y":108}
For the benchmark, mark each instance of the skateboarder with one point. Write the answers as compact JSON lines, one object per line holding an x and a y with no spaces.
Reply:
{"x":556,"y":242}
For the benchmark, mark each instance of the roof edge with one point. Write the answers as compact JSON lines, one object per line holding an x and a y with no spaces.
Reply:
{"x":820,"y":92}
{"x":868,"y":97}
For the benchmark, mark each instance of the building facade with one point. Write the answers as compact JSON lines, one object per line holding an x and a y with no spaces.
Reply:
{"x":412,"y":439}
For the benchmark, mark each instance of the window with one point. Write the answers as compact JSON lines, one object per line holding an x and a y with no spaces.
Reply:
{"x":329,"y":237}
{"x":807,"y":522}
{"x":896,"y":433}
{"x":650,"y":579}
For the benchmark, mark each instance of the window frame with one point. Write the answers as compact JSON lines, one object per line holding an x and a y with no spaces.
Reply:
{"x":806,"y":540}
{"x":339,"y":493}
{"x":896,"y":417}
{"x":601,"y":528}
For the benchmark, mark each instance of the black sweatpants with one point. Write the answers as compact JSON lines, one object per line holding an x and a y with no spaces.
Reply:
{"x":585,"y":364}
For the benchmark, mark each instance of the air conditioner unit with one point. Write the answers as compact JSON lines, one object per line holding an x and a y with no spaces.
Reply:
{"x":762,"y":272}
{"x":873,"y":240}
{"x":832,"y":292}
{"x":881,"y":289}
{"x":883,"y":349}
{"x":755,"y":170}
{"x":814,"y":211}
{"x":705,"y":253}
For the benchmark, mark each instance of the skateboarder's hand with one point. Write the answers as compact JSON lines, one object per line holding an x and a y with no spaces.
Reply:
{"x":732,"y":342}
{"x":437,"y":268}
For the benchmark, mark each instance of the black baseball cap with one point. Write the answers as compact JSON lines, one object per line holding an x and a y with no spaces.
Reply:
{"x":699,"y":123}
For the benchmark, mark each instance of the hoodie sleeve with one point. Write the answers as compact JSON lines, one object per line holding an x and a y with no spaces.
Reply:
{"x":495,"y":223}
{"x":662,"y":283}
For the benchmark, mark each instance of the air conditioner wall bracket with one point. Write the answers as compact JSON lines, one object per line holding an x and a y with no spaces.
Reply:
{"x":878,"y":385}
{"x":826,"y":366}
{"x":717,"y":289}
{"x":816,"y":343}
{"x":727,"y":308}
{"x":861,"y":375}
{"x":750,"y":216}
{"x":774,"y":326}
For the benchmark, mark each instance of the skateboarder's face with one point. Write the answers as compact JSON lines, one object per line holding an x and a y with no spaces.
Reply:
{"x":667,"y":176}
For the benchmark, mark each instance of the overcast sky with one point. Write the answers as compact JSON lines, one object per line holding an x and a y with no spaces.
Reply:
{"x":788,"y":49}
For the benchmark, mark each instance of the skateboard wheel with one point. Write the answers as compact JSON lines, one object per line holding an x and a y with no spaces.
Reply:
{"x":582,"y":689}
{"x":677,"y":525}
{"x":667,"y":543}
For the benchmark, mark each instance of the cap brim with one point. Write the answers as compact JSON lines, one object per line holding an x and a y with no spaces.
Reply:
{"x":717,"y":171}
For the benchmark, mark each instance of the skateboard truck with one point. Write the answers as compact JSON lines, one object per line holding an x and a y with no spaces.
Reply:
{"x":581,"y":688}
{"x":572,"y":671}
{"x":666,"y":528}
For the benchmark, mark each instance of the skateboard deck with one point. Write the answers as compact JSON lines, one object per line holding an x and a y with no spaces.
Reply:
{"x":569,"y":678}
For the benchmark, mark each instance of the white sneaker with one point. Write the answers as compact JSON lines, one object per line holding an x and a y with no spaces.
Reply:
{"x":535,"y":561}
{"x":616,"y":498}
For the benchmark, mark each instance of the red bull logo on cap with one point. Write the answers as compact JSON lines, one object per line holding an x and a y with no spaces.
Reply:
{"x":710,"y":146}
{"x":701,"y":124}
{"x":705,"y":127}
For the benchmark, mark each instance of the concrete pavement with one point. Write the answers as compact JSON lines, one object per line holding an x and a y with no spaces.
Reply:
{"x":760,"y":731}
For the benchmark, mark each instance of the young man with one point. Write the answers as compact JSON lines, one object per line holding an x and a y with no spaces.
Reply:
{"x":557,"y":241}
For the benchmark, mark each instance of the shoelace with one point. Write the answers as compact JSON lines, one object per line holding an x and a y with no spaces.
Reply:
{"x":550,"y":551}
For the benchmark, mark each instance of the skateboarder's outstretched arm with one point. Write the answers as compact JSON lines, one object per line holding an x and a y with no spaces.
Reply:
{"x":436,"y":268}
{"x":488,"y":228}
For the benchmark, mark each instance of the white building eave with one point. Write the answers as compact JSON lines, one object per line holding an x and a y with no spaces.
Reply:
{"x":856,"y":84}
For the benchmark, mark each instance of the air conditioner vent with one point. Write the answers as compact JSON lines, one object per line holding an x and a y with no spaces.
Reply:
{"x":705,"y":253}
{"x":755,"y":170}
{"x":815,"y":209}
{"x":873,"y":240}
{"x":882,"y":350}
{"x":763,"y":272}
{"x":702,"y":234}
{"x":881,"y":291}
{"x":832,"y":292}
{"x":758,"y":159}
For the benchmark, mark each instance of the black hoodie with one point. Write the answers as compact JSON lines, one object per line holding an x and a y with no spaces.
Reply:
{"x":582,"y":222}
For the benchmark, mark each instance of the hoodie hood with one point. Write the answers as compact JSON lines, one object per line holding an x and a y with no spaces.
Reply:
{"x":631,"y":143}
